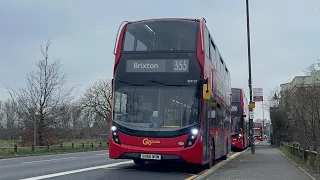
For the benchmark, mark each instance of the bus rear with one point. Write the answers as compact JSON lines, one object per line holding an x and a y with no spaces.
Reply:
{"x":157,"y":92}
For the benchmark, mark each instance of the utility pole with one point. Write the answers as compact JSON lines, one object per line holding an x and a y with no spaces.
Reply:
{"x":250,"y":79}
{"x":263,"y":128}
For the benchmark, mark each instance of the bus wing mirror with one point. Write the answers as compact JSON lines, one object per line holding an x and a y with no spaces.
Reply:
{"x":244,"y":116}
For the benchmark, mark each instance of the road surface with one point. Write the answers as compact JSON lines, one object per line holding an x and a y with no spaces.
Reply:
{"x":88,"y":165}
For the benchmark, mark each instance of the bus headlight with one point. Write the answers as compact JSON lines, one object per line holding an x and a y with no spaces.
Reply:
{"x":192,"y":137}
{"x":194,"y":131}
{"x":114,"y":128}
{"x":115,"y":136}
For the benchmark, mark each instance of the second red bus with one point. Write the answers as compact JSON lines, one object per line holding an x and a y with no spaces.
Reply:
{"x":240,"y":120}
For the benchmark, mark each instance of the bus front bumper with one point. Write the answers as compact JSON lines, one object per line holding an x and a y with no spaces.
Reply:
{"x":191,"y":154}
{"x":237,"y":144}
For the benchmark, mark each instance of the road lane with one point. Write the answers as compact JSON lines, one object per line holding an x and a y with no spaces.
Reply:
{"x":95,"y":165}
{"x":36,"y":166}
{"x":154,"y":171}
{"x":76,"y":171}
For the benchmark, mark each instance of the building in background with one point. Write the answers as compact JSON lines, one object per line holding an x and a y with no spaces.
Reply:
{"x":298,"y":81}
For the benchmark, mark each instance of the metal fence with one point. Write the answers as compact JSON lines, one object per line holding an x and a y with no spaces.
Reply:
{"x":33,"y":149}
{"x":308,"y":155}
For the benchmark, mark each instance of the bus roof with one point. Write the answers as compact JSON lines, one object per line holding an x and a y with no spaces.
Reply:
{"x":184,"y":19}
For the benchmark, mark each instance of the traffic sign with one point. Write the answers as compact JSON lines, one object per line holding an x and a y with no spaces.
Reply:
{"x":251,"y":115}
{"x":257,"y":94}
{"x":252,"y":105}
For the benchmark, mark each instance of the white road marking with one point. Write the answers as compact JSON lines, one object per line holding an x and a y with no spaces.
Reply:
{"x":102,"y":154}
{"x":62,"y":154}
{"x":47,"y":160}
{"x":77,"y":171}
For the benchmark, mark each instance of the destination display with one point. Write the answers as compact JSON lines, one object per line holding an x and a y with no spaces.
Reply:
{"x":235,"y":109}
{"x":157,"y":65}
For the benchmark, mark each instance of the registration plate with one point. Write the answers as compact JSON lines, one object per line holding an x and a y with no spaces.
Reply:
{"x":151,"y":156}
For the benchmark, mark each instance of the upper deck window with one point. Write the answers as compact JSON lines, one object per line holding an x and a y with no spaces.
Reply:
{"x":161,"y":35}
{"x":236,"y":95}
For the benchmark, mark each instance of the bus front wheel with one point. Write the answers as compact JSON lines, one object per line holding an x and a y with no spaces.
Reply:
{"x":139,"y":161}
{"x":209,"y":165}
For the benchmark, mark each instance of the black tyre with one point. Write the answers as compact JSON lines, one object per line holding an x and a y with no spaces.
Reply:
{"x":209,"y":165}
{"x":225,"y":156}
{"x":139,"y":161}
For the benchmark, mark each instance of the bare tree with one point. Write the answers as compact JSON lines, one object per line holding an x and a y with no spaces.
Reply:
{"x":71,"y":121}
{"x":97,"y":98}
{"x":298,"y":112}
{"x":97,"y":107}
{"x":1,"y":114}
{"x":46,"y":90}
{"x":11,"y":119}
{"x":310,"y":69}
{"x":10,"y":114}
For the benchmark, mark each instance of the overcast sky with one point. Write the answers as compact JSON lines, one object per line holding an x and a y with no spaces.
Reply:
{"x":284,"y":36}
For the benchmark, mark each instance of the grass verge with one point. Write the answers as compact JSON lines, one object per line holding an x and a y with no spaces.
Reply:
{"x":300,"y":162}
{"x":80,"y":145}
{"x":26,"y":151}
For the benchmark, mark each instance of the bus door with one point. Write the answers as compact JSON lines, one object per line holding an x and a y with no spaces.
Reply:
{"x":206,"y":131}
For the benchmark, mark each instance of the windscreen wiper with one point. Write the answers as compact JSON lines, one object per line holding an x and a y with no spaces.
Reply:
{"x":178,"y":85}
{"x":129,"y":83}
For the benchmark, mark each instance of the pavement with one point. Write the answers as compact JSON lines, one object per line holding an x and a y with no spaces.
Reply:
{"x":266,"y":164}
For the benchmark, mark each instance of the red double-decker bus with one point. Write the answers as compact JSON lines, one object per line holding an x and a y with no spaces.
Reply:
{"x":258,"y":130}
{"x":240,"y":120}
{"x":171,"y":94}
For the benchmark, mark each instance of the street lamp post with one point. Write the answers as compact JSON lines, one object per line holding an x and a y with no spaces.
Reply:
{"x":36,"y":112}
{"x":275,"y":106}
{"x":250,"y":79}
